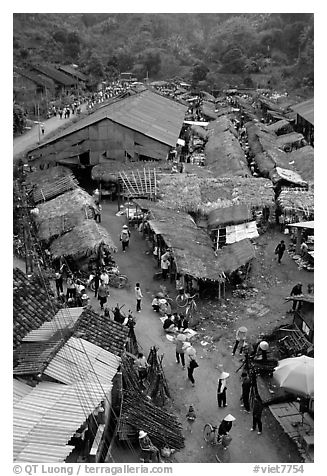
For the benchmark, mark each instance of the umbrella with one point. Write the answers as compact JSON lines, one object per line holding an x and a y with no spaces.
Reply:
{"x":296,"y":375}
{"x":243,"y":329}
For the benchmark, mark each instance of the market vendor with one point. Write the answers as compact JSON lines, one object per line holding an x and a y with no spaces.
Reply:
{"x":141,"y":365}
{"x":147,"y":446}
{"x":155,"y":304}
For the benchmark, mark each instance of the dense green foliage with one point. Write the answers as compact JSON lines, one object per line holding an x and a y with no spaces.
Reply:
{"x":196,"y":47}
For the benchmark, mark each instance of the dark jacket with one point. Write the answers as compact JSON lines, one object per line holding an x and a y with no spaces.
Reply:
{"x":257,"y":407}
{"x":297,"y":290}
{"x":280,"y":248}
{"x":225,"y":427}
{"x":246,"y":386}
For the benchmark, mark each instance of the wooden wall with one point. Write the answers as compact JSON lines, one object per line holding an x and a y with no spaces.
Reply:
{"x":105,"y":137}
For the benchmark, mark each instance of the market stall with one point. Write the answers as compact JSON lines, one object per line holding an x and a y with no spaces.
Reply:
{"x":84,"y":243}
{"x":297,"y":205}
{"x":62,"y":213}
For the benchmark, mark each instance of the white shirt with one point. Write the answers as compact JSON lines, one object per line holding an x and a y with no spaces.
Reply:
{"x":138,"y":293}
{"x":104,"y":278}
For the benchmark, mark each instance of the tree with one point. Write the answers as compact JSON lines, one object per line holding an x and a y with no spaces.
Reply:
{"x":152,"y":62}
{"x":19,"y":119}
{"x":199,"y":72}
{"x":233,"y":61}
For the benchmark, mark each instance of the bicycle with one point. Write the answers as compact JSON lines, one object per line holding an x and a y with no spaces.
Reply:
{"x":211,"y":436}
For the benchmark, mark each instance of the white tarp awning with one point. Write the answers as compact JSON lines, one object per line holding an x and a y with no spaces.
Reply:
{"x":236,"y":233}
{"x":197,"y":123}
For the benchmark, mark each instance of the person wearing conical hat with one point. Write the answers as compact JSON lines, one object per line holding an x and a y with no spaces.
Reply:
{"x":222,"y":388}
{"x":148,"y":447}
{"x":225,"y":427}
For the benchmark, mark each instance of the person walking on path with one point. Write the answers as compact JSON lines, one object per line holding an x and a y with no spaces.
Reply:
{"x":222,"y":388}
{"x":71,"y":287}
{"x":103,"y":294}
{"x":280,"y":249}
{"x":124,"y":237}
{"x":59,"y":283}
{"x":246,"y":388}
{"x":138,"y":295}
{"x":240,"y":338}
{"x":96,"y":280}
{"x":42,"y":129}
{"x":180,"y":357}
{"x":192,"y":364}
{"x":257,"y":413}
{"x":164,"y":264}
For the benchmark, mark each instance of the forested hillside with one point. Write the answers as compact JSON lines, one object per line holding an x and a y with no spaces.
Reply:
{"x":213,"y":49}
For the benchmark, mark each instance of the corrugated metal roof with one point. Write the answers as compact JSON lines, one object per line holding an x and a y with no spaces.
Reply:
{"x":81,"y":359}
{"x":72,"y":72}
{"x":20,"y":390}
{"x":46,"y":419}
{"x":65,"y":318}
{"x":146,"y":112}
{"x":306,"y":110}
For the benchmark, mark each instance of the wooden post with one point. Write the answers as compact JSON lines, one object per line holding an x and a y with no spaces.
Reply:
{"x":219,"y":291}
{"x":298,"y":240}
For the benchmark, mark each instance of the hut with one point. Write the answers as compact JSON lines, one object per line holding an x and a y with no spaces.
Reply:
{"x":224,"y":156}
{"x":286,"y":178}
{"x":87,"y":240}
{"x":191,"y":248}
{"x":62,"y":213}
{"x":303,"y":317}
{"x":221,"y":124}
{"x":233,"y":257}
{"x":44,"y":185}
{"x":296,"y":205}
{"x":231,"y":224}
{"x":108,"y":176}
{"x":280,"y":127}
{"x":305,"y":119}
{"x":290,"y":141}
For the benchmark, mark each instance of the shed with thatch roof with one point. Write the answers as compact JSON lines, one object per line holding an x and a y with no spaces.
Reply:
{"x":235,"y":255}
{"x":290,"y":141}
{"x":296,"y":205}
{"x":280,"y":127}
{"x":224,"y":155}
{"x":47,"y":184}
{"x":191,"y":247}
{"x":61,"y":214}
{"x":229,"y":216}
{"x":83,"y":241}
{"x":284,"y":178}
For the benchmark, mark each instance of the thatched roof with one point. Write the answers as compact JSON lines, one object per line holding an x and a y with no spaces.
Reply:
{"x":264,"y":163}
{"x":50,"y":183}
{"x":180,"y":191}
{"x":224,"y":155}
{"x":228,"y":191}
{"x":303,"y":162}
{"x":208,"y":112}
{"x":198,"y":170}
{"x":192,"y":193}
{"x":62,"y":213}
{"x":199,"y":132}
{"x":191,"y":247}
{"x":39,"y":176}
{"x":109,"y":170}
{"x":279,"y":126}
{"x":297,"y":200}
{"x":229,"y":216}
{"x":83,"y":240}
{"x":235,"y":255}
{"x":287,"y":140}
{"x":221,"y":124}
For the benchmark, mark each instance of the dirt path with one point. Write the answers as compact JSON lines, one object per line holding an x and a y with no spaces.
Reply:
{"x":31,"y":138}
{"x":272,"y":445}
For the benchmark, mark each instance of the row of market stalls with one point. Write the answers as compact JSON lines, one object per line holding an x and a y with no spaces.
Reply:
{"x":207,"y":224}
{"x":70,"y":367}
{"x":64,"y":216}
